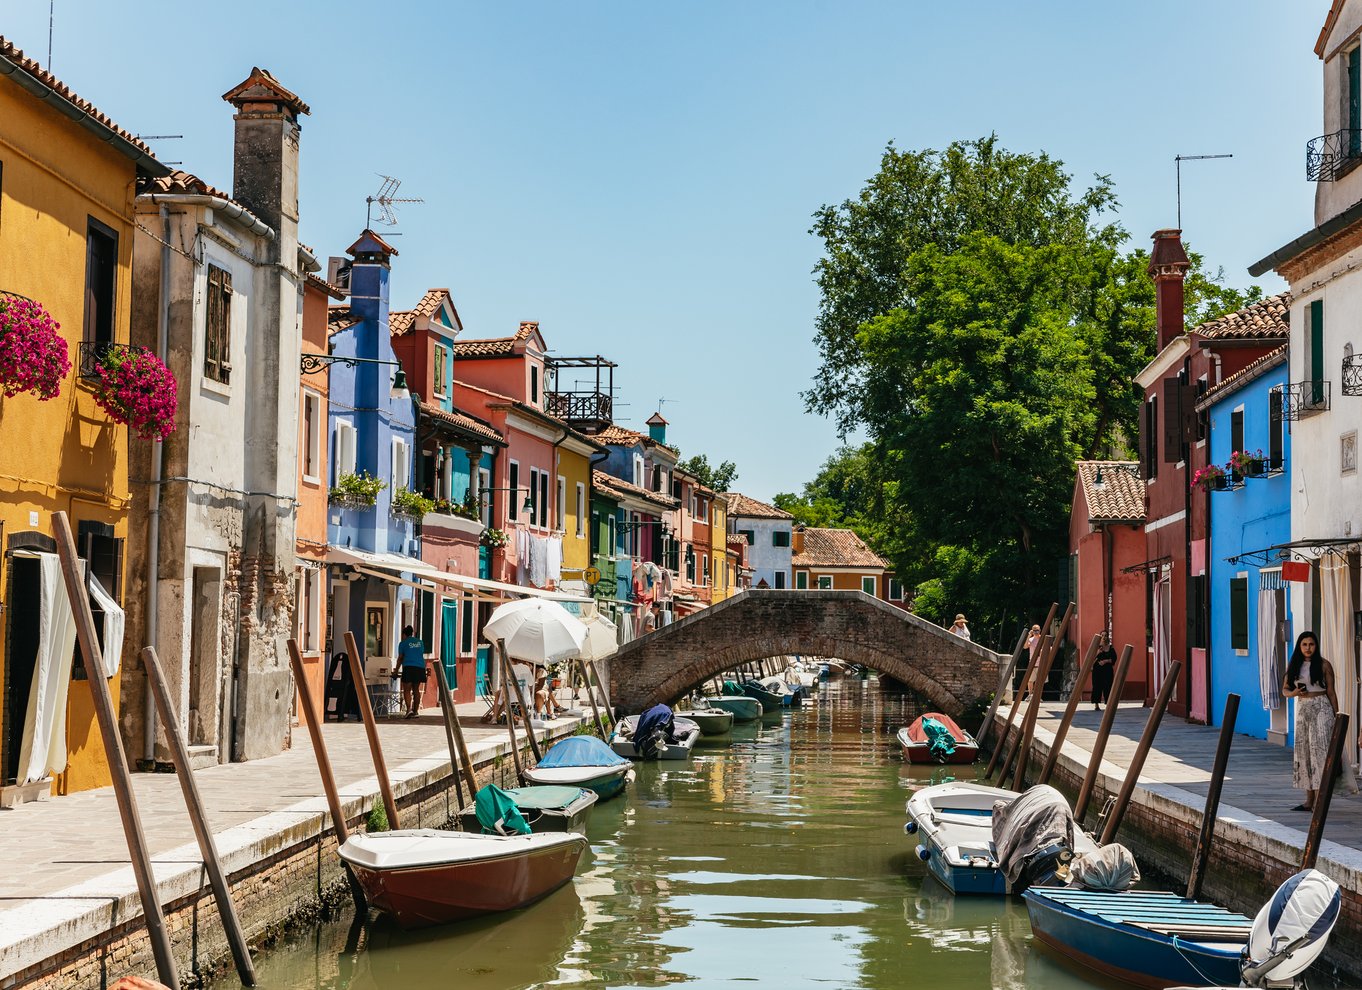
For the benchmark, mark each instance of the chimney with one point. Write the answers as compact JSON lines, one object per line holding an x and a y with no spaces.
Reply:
{"x":1168,"y":266}
{"x":798,"y":540}
{"x":265,"y":156}
{"x":657,"y":427}
{"x":370,"y":273}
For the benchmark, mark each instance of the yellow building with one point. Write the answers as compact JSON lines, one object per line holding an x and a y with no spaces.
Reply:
{"x":573,"y":502}
{"x":67,"y":183}
{"x":722,"y":586}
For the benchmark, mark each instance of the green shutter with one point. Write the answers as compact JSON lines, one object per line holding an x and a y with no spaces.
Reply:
{"x":1239,"y":634}
{"x":1317,"y":351}
{"x":1354,"y":102}
{"x":801,"y":580}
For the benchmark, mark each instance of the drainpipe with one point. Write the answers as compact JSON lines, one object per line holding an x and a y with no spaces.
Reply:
{"x":154,"y":500}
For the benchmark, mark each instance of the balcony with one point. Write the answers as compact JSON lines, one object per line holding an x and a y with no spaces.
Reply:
{"x":579,"y":407}
{"x":1332,"y":156}
{"x":1352,"y":374}
{"x":93,"y":354}
{"x":1302,"y":399}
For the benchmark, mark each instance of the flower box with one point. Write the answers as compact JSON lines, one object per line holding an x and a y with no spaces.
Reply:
{"x":133,"y":386}
{"x":459,"y":524}
{"x":33,"y":355}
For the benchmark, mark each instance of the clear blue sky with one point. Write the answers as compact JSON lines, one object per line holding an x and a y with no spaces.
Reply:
{"x":639,"y":177}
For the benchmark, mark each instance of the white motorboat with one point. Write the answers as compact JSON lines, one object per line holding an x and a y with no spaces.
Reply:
{"x":712,"y":721}
{"x":954,"y":825}
{"x":685,"y":734}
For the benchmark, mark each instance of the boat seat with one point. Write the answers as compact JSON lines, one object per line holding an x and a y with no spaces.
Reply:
{"x":957,"y":818}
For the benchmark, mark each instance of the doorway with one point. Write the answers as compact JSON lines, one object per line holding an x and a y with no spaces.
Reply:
{"x":21,"y":657}
{"x":204,"y":710}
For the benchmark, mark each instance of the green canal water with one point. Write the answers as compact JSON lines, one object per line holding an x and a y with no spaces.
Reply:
{"x":777,"y":859}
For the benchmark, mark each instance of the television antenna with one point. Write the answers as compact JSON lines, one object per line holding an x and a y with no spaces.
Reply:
{"x":385,"y":198}
{"x":1179,"y":159}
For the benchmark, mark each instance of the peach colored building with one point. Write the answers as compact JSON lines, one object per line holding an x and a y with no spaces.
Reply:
{"x":837,"y":560}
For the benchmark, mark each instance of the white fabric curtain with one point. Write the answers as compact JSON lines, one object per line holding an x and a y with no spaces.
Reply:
{"x":112,"y":649}
{"x":43,"y":750}
{"x":1337,"y":645}
{"x":1163,"y":643}
{"x":1271,"y":663}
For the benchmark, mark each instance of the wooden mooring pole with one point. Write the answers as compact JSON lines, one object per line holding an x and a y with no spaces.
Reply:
{"x":1099,"y":744}
{"x":1003,"y":680}
{"x":1020,"y":695}
{"x":605,"y":692}
{"x":1202,"y":853}
{"x":591,"y":696}
{"x":1076,"y":695}
{"x":452,"y":727}
{"x":1151,"y":727}
{"x":73,"y":574}
{"x":1325,"y":794}
{"x":314,"y":730}
{"x":198,"y":817}
{"x":506,"y":679}
{"x":366,"y":712}
{"x":525,"y":715}
{"x":1018,"y":754}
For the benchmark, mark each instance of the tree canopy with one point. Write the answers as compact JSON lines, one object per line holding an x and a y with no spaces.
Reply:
{"x":718,"y":478}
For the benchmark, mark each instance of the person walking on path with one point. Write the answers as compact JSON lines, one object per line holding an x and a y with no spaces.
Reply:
{"x":411,"y":656}
{"x":1102,"y":672}
{"x":960,"y":628}
{"x":1033,"y":643}
{"x":1310,"y":680}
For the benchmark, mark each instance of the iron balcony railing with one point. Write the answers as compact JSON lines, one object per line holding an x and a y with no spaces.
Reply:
{"x":93,"y":353}
{"x":578,"y":407}
{"x":1352,"y":374}
{"x":1331,"y":156}
{"x":1301,"y":399}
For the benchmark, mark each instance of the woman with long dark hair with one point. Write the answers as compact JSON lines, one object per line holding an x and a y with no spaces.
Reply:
{"x":1310,"y":680}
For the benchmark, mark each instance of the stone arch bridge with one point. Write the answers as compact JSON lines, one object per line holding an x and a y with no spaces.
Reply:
{"x":666,"y":665}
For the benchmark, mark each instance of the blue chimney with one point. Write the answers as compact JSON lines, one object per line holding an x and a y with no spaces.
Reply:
{"x":657,"y":428}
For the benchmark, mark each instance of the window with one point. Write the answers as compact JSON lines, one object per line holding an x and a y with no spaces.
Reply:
{"x":312,"y":436}
{"x":780,"y":538}
{"x":1149,"y":438}
{"x":690,"y":565}
{"x":484,"y":483}
{"x":581,"y":510}
{"x":466,"y":610}
{"x":750,"y":535}
{"x":345,"y":448}
{"x":101,"y":269}
{"x":543,"y":498}
{"x":1237,"y":435}
{"x":534,"y":385}
{"x":704,"y":570}
{"x":895,"y":590}
{"x":217,"y":326}
{"x":534,"y":496}
{"x":439,"y":371}
{"x":1196,"y":610}
{"x":638,"y":471}
{"x":704,"y":510}
{"x":401,"y":465}
{"x":868,"y":586}
{"x":657,"y":479}
{"x":513,"y":492}
{"x":694,"y":507}
{"x":309,"y":598}
{"x":1276,"y":433}
{"x":560,"y":507}
{"x":611,"y":546}
{"x":801,"y":580}
{"x":1315,"y":328}
{"x":825,"y":582}
{"x":780,"y":580}
{"x":1239,"y":636}
{"x":1353,"y":81}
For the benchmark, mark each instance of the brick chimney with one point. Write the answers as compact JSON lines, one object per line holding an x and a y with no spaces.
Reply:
{"x":798,"y":540}
{"x":1168,"y":266}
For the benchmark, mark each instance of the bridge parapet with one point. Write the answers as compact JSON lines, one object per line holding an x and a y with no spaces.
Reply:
{"x":669,"y":663}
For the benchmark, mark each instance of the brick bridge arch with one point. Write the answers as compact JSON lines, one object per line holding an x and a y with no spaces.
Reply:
{"x":666,"y":665}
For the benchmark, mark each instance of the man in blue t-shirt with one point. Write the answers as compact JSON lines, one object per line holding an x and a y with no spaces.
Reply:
{"x":411,"y":656}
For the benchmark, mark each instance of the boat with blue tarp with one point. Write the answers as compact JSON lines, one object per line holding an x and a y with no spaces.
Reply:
{"x":583,"y":761}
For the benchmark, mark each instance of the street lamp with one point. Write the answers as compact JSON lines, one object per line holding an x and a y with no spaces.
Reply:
{"x":310,"y":363}
{"x":528,"y":504}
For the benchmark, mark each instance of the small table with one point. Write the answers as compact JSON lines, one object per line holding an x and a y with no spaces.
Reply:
{"x":385,"y":696}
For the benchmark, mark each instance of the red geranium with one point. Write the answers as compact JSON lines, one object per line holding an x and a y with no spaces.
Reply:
{"x":134,"y":387}
{"x":33,"y":354}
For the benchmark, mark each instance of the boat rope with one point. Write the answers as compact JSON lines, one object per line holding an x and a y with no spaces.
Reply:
{"x":1177,"y":945}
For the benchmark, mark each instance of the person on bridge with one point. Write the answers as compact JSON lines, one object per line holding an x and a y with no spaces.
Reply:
{"x":1102,"y":673}
{"x":960,"y":628}
{"x":1033,"y":642}
{"x":1310,"y":680}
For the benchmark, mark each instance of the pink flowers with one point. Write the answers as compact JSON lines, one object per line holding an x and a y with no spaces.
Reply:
{"x":134,"y":387}
{"x":33,"y":354}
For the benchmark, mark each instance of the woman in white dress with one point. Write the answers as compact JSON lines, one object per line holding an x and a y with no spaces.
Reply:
{"x":1310,"y":680}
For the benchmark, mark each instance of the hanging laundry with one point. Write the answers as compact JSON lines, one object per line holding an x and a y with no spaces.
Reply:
{"x":539,"y":561}
{"x":555,"y":559}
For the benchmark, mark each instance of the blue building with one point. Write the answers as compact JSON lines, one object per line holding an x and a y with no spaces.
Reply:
{"x":1250,"y":621}
{"x":372,"y":428}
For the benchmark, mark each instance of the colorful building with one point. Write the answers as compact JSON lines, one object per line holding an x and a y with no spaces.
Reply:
{"x":1107,"y":561}
{"x":769,"y":532}
{"x":723,"y":565}
{"x":1250,"y":524}
{"x":837,"y":560}
{"x":69,"y":176}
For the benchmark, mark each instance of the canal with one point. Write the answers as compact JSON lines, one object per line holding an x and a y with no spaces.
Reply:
{"x":777,"y":859}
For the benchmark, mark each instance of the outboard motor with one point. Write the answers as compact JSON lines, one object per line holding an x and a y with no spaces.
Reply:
{"x":656,"y":727}
{"x":1290,"y":931}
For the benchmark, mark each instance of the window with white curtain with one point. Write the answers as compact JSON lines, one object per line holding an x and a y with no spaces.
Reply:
{"x":312,"y":435}
{"x":401,"y":466}
{"x":345,"y":447}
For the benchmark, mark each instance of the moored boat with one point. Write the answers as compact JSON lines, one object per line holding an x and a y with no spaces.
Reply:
{"x":771,"y":702}
{"x":583,"y":761}
{"x":684,"y":734}
{"x":544,"y":809}
{"x":712,"y":721}
{"x":945,"y":742}
{"x":743,"y":708}
{"x":429,"y":877}
{"x":790,"y":695}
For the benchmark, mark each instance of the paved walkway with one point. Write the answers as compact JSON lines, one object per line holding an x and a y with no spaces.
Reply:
{"x":66,"y":859}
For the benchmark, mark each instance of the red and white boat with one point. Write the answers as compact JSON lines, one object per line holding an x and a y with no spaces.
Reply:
{"x":424,"y":876}
{"x":917,"y":746}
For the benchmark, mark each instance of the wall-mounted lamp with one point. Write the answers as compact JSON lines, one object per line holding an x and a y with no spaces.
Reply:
{"x":310,"y":363}
{"x":528,"y":504}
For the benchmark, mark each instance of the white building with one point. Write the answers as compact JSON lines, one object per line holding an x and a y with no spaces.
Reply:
{"x":769,"y":533}
{"x":1323,"y":401}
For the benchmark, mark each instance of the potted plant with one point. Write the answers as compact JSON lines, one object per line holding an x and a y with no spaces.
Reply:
{"x":409,"y":503}
{"x":1246,"y":464}
{"x":494,"y":538}
{"x":356,"y":491}
{"x":1212,"y":477}
{"x":135,"y":387}
{"x":33,"y":355}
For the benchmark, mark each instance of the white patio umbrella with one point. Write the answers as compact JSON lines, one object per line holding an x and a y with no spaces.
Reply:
{"x":602,"y":638}
{"x":536,"y":630}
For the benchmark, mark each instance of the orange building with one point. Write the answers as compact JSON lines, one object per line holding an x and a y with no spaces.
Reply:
{"x":837,"y":560}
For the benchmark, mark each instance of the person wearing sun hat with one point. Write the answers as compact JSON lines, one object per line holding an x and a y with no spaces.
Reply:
{"x":960,"y":628}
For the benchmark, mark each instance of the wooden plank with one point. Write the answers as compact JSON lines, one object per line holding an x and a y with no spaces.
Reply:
{"x":1118,"y":683}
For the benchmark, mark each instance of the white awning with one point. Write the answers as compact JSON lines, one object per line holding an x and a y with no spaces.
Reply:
{"x":387,"y":566}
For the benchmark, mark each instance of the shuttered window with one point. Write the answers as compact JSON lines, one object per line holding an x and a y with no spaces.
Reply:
{"x":1276,"y":439}
{"x":1316,"y":327}
{"x":1354,"y":103}
{"x":1239,"y":620}
{"x":1172,"y":420}
{"x":217,"y":324}
{"x":1149,"y":438}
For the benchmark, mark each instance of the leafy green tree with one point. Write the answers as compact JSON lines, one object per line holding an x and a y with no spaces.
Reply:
{"x":718,"y":478}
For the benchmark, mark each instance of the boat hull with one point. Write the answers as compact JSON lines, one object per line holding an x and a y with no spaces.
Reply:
{"x":744,"y":709}
{"x":606,"y":782}
{"x":913,"y":743}
{"x":439,"y":893}
{"x":570,"y":817}
{"x":771,"y":703}
{"x":712,"y":723}
{"x":1127,"y":952}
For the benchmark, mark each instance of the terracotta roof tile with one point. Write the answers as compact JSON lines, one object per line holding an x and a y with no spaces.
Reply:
{"x":12,"y":53}
{"x":1246,"y":374}
{"x":1120,"y":498}
{"x":1264,"y":320}
{"x":737,"y":540}
{"x":620,"y":436}
{"x":261,"y":87}
{"x":400,"y":322}
{"x":750,"y":508}
{"x":492,"y":347}
{"x":430,"y":303}
{"x":835,"y":548}
{"x":463,"y":421}
{"x":178,"y":181}
{"x":340,"y":318}
{"x":334,"y":291}
{"x":617,"y":487}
